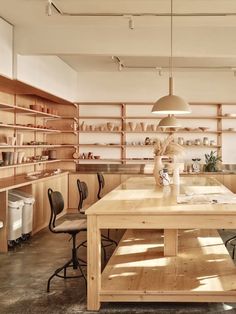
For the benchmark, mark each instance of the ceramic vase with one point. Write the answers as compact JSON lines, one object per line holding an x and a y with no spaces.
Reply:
{"x":143,"y":126}
{"x":15,"y":156}
{"x":158,"y":165}
{"x":6,"y":158}
{"x":19,"y":139}
{"x":176,"y":177}
{"x":11,"y":140}
{"x":132,"y":126}
{"x":20,"y":157}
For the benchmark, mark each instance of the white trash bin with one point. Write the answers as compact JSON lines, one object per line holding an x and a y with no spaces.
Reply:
{"x":15,"y":206}
{"x":27,"y":211}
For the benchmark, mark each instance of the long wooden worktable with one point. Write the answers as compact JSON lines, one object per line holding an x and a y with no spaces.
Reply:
{"x":189,"y":265}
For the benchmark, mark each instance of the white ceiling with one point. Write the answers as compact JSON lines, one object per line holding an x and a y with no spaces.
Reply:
{"x":31,"y":14}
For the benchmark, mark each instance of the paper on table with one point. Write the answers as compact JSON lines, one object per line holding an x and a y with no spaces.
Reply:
{"x":202,"y":190}
{"x":205,"y":199}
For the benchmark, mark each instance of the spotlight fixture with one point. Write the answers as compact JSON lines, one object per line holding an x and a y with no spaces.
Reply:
{"x":49,"y":8}
{"x":131,"y":23}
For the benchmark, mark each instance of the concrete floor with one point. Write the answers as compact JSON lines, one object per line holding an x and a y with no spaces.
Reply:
{"x":24,"y":272}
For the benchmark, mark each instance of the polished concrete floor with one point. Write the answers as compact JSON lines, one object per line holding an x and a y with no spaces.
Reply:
{"x":24,"y":272}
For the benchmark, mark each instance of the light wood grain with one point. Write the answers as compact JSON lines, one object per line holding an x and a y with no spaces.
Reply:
{"x":138,"y":271}
{"x":139,"y":203}
{"x":94,"y":264}
{"x":170,"y":242}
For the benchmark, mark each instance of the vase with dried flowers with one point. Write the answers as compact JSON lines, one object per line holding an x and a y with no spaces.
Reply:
{"x":162,"y":149}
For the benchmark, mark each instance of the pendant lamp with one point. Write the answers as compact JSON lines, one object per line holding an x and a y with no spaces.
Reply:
{"x":169,"y":122}
{"x":171,"y":104}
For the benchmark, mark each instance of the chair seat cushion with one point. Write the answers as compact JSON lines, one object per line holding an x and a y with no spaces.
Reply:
{"x":72,"y":225}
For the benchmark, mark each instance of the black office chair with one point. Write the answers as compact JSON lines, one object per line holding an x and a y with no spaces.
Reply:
{"x":83,"y":194}
{"x":73,"y":228}
{"x":101,"y":185}
{"x":232,"y":242}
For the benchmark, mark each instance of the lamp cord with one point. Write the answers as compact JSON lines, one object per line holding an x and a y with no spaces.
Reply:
{"x":171,"y":40}
{"x":171,"y":50}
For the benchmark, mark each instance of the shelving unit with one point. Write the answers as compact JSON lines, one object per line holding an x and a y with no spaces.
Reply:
{"x":137,"y":112}
{"x":16,"y":116}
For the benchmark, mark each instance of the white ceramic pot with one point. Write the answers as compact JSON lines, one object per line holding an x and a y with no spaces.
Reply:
{"x":19,"y":139}
{"x":20,"y":157}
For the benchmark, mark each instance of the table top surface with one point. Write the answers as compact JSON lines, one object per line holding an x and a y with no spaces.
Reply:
{"x":141,"y":196}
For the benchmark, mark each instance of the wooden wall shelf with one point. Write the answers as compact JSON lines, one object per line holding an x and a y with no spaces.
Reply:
{"x":30,"y":164}
{"x":27,"y":111}
{"x":26,"y":128}
{"x":216,"y":115}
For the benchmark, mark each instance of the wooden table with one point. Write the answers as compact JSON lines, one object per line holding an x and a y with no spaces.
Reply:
{"x":143,"y":268}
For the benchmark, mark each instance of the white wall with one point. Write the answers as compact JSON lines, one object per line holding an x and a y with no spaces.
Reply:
{"x":48,"y":73}
{"x":149,"y":86}
{"x":6,"y":49}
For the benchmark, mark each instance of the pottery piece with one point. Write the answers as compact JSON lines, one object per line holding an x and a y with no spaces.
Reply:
{"x":52,"y":154}
{"x":132,"y":126}
{"x":110,"y":126}
{"x":11,"y":158}
{"x":19,"y":139}
{"x":144,"y":126}
{"x":6,"y":158}
{"x":15,"y":156}
{"x":205,"y":141}
{"x":11,"y":140}
{"x":152,"y":126}
{"x":20,"y":157}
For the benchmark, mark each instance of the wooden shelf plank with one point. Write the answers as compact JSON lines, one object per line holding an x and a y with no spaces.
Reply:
{"x":101,"y":117}
{"x":189,"y":146}
{"x":26,"y":128}
{"x":30,"y":164}
{"x":27,"y":111}
{"x":178,"y":117}
{"x":138,"y":271}
{"x":102,"y":145}
{"x":36,"y":146}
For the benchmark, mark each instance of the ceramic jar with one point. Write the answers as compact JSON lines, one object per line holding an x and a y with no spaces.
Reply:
{"x":205,"y":141}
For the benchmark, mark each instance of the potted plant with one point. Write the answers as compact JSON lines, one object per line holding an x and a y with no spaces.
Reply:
{"x":212,"y":161}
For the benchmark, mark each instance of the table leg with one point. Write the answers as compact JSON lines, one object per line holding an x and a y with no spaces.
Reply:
{"x":170,"y":242}
{"x":93,"y":264}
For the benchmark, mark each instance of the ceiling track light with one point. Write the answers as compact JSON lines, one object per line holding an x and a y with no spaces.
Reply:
{"x":49,"y":8}
{"x":119,"y":62}
{"x":131,"y":23}
{"x":141,"y":14}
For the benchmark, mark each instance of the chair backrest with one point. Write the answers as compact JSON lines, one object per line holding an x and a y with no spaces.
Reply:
{"x":57,"y":205}
{"x":101,"y":184}
{"x":83,"y":193}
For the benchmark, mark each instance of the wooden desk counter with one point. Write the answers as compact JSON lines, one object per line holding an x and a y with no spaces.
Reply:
{"x":140,"y":204}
